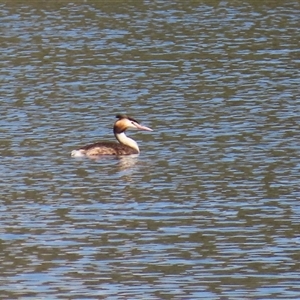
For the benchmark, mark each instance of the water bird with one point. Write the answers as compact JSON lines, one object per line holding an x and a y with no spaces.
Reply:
{"x":126,"y":145}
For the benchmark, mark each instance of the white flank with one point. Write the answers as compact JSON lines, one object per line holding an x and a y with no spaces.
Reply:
{"x":77,"y":153}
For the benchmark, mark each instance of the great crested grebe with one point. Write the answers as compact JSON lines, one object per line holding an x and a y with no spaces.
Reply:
{"x":126,"y":145}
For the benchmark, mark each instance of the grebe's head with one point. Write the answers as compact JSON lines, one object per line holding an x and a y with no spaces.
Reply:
{"x":125,"y":122}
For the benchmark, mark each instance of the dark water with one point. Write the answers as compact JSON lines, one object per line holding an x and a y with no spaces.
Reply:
{"x":210,"y":209}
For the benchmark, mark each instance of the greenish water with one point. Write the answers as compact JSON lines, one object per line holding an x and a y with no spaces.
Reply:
{"x":209,"y":209}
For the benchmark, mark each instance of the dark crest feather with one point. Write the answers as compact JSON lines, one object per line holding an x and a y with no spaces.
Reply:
{"x":120,"y":116}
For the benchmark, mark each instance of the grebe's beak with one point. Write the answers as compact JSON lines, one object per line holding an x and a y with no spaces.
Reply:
{"x":141,"y":127}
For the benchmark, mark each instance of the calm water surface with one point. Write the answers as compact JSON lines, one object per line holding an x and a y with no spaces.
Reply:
{"x":210,"y":209}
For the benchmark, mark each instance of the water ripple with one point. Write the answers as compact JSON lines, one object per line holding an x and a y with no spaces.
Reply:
{"x":208,"y":209}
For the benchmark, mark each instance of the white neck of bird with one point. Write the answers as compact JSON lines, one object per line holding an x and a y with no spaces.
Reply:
{"x":125,"y":140}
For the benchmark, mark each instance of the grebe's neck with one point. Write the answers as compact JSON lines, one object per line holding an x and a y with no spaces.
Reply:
{"x":125,"y":140}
